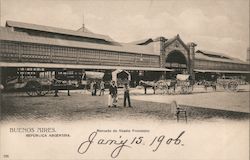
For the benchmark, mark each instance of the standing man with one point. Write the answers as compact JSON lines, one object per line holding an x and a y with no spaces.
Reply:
{"x":69,"y":86}
{"x":102,"y":88}
{"x":56,"y":88}
{"x":112,"y":94}
{"x":126,"y":95}
{"x":95,"y":87}
{"x":92,"y":88}
{"x":145,"y":89}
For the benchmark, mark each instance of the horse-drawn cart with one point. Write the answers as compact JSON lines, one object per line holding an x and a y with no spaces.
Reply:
{"x":41,"y":82}
{"x":181,"y":85}
{"x":228,"y":84}
{"x":40,"y":86}
{"x":32,"y":86}
{"x":184,"y":83}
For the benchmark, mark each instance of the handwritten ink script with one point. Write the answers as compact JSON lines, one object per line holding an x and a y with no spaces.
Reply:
{"x":121,"y":143}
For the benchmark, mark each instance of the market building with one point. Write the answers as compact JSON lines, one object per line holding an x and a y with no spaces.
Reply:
{"x":33,"y":47}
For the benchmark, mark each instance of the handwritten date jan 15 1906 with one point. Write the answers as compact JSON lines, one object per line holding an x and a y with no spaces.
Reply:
{"x":155,"y":143}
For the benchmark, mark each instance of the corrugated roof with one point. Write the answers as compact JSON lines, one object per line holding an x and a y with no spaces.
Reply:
{"x":57,"y":30}
{"x":221,"y":55}
{"x":215,"y":56}
{"x":143,"y":41}
{"x":7,"y":34}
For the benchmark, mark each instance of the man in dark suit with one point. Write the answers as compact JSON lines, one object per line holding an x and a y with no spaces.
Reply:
{"x":126,"y":95}
{"x":112,"y":94}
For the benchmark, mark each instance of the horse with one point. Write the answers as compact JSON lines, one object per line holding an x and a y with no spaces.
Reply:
{"x":164,"y":85}
{"x":209,"y":84}
{"x":147,"y":84}
{"x":171,"y":85}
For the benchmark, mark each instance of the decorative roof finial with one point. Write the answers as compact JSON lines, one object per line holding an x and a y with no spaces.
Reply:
{"x":83,"y":25}
{"x":83,"y":28}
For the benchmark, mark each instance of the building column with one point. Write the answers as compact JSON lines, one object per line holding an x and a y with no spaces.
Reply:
{"x":192,"y":59}
{"x":162,"y":52}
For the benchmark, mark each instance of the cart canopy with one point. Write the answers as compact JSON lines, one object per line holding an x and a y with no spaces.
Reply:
{"x":94,"y":75}
{"x":182,"y":77}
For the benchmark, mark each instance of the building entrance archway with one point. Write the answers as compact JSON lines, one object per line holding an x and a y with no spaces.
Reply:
{"x":177,"y":61}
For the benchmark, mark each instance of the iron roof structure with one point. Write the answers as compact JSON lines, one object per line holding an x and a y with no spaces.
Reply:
{"x":56,"y":30}
{"x":138,"y":47}
{"x":214,"y":56}
{"x":9,"y":35}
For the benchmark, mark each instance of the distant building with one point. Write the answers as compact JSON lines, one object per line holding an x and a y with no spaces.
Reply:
{"x":31,"y":46}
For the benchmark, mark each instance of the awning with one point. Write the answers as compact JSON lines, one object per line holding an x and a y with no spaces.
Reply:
{"x":219,"y":71}
{"x":76,"y":66}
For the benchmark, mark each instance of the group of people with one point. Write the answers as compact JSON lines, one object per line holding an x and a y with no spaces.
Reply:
{"x":112,"y":97}
{"x":94,"y":87}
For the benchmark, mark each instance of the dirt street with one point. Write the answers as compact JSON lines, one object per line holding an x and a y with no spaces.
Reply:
{"x":82,"y":106}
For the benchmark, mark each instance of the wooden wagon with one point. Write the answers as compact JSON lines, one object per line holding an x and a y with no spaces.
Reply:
{"x":228,"y":84}
{"x":39,"y":82}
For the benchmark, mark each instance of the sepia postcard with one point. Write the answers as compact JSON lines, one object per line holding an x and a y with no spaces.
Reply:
{"x":124,"y":79}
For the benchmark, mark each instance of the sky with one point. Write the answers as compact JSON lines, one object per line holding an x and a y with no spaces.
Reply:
{"x":214,"y":25}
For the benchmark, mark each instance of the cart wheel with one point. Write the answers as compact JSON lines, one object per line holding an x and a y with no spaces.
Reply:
{"x":43,"y":90}
{"x":187,"y":90}
{"x":190,"y":89}
{"x":32,"y":88}
{"x":183,"y":89}
{"x":225,"y":86}
{"x":233,"y":86}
